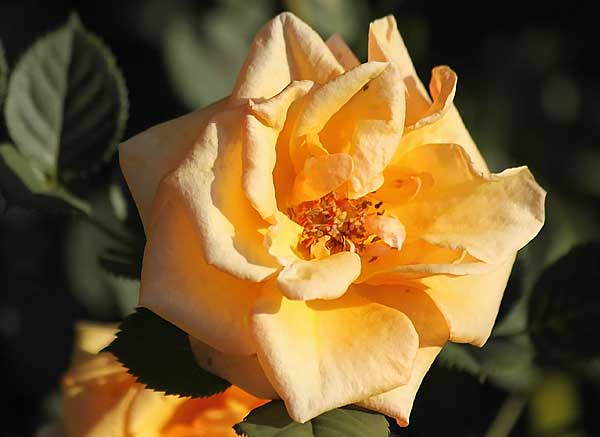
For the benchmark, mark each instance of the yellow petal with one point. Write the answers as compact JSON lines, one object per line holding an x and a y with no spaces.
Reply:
{"x":241,"y":370}
{"x":180,"y":286}
{"x":442,"y":88}
{"x":385,"y":44}
{"x":389,"y":229}
{"x":321,"y":175}
{"x":91,"y":338}
{"x":321,"y":355}
{"x":262,"y":128}
{"x":325,"y":278}
{"x":342,"y":52}
{"x":489,"y":216}
{"x":284,"y":50}
{"x":470,"y":303}
{"x":360,"y":113}
{"x":397,"y":403}
{"x":146,"y":158}
{"x":208,"y":186}
{"x":282,"y":239}
{"x":149,"y":411}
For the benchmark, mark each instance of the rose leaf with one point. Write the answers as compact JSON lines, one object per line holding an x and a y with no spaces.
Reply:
{"x":26,"y":186}
{"x":159,"y":355}
{"x":66,"y":106}
{"x":272,"y":420}
{"x":564,"y":309}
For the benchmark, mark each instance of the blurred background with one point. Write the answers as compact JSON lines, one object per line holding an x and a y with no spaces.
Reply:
{"x":528,"y":91}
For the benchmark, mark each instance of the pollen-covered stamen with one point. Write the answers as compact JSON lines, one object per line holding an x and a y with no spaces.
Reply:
{"x":337,"y":220}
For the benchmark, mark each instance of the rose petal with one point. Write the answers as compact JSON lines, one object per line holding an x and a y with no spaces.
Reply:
{"x":442,"y":88}
{"x":208,"y":185}
{"x":470,"y":303}
{"x":262,"y":128}
{"x":397,"y":403}
{"x":179,"y":285}
{"x":342,"y":52}
{"x":318,"y":358}
{"x":241,"y":370}
{"x":389,"y":229}
{"x":489,"y":216}
{"x":282,"y":239}
{"x":321,"y":175}
{"x":284,"y":50}
{"x":146,"y":158}
{"x":385,"y":44}
{"x":325,"y":278}
{"x":360,"y":113}
{"x":419,"y":259}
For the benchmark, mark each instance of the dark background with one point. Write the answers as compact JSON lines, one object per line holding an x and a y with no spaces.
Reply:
{"x":528,"y":90}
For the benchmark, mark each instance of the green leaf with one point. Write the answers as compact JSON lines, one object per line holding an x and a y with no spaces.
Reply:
{"x":565,"y":308}
{"x":272,"y":420}
{"x":124,"y":263}
{"x":506,"y":363}
{"x":3,"y":74}
{"x":66,"y":107}
{"x":159,"y":355}
{"x":25,"y":185}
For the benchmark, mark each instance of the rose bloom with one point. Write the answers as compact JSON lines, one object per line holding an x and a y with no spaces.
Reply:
{"x":100,"y":399}
{"x":324,"y":230}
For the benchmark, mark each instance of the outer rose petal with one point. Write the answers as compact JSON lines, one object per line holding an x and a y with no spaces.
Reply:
{"x":385,"y":44}
{"x":489,"y":216}
{"x":325,"y":278}
{"x":178,"y":283}
{"x":241,"y":370}
{"x":146,"y":158}
{"x":397,"y":403}
{"x":342,"y":52}
{"x":470,"y":303}
{"x":208,"y":185}
{"x":433,"y":332}
{"x":262,"y":127}
{"x":318,"y":357}
{"x":284,"y":50}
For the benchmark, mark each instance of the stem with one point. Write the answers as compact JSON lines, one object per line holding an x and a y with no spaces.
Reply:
{"x":507,"y":416}
{"x":108,"y":231}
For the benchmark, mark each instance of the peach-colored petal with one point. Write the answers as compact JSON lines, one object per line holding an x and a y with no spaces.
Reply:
{"x":397,"y":403}
{"x":491,"y":217}
{"x":180,"y":286}
{"x":241,"y":370}
{"x":146,"y":158}
{"x":389,"y":229}
{"x":262,"y":127}
{"x":442,"y":88}
{"x":318,"y":358}
{"x":321,"y":175}
{"x":342,"y":52}
{"x":281,"y":239}
{"x":284,"y":50}
{"x":325,"y":278}
{"x":385,"y":44}
{"x":360,"y":113}
{"x":470,"y":303}
{"x":208,"y":185}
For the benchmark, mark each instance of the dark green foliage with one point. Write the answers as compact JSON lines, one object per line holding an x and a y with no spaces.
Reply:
{"x":564,"y":309}
{"x":66,"y":106}
{"x":159,"y":355}
{"x":272,"y":420}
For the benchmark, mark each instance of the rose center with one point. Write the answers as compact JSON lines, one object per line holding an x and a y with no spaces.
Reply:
{"x":333,"y":222}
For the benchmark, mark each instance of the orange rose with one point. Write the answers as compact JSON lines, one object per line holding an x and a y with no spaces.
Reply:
{"x":101,"y":399}
{"x":325,"y":229}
